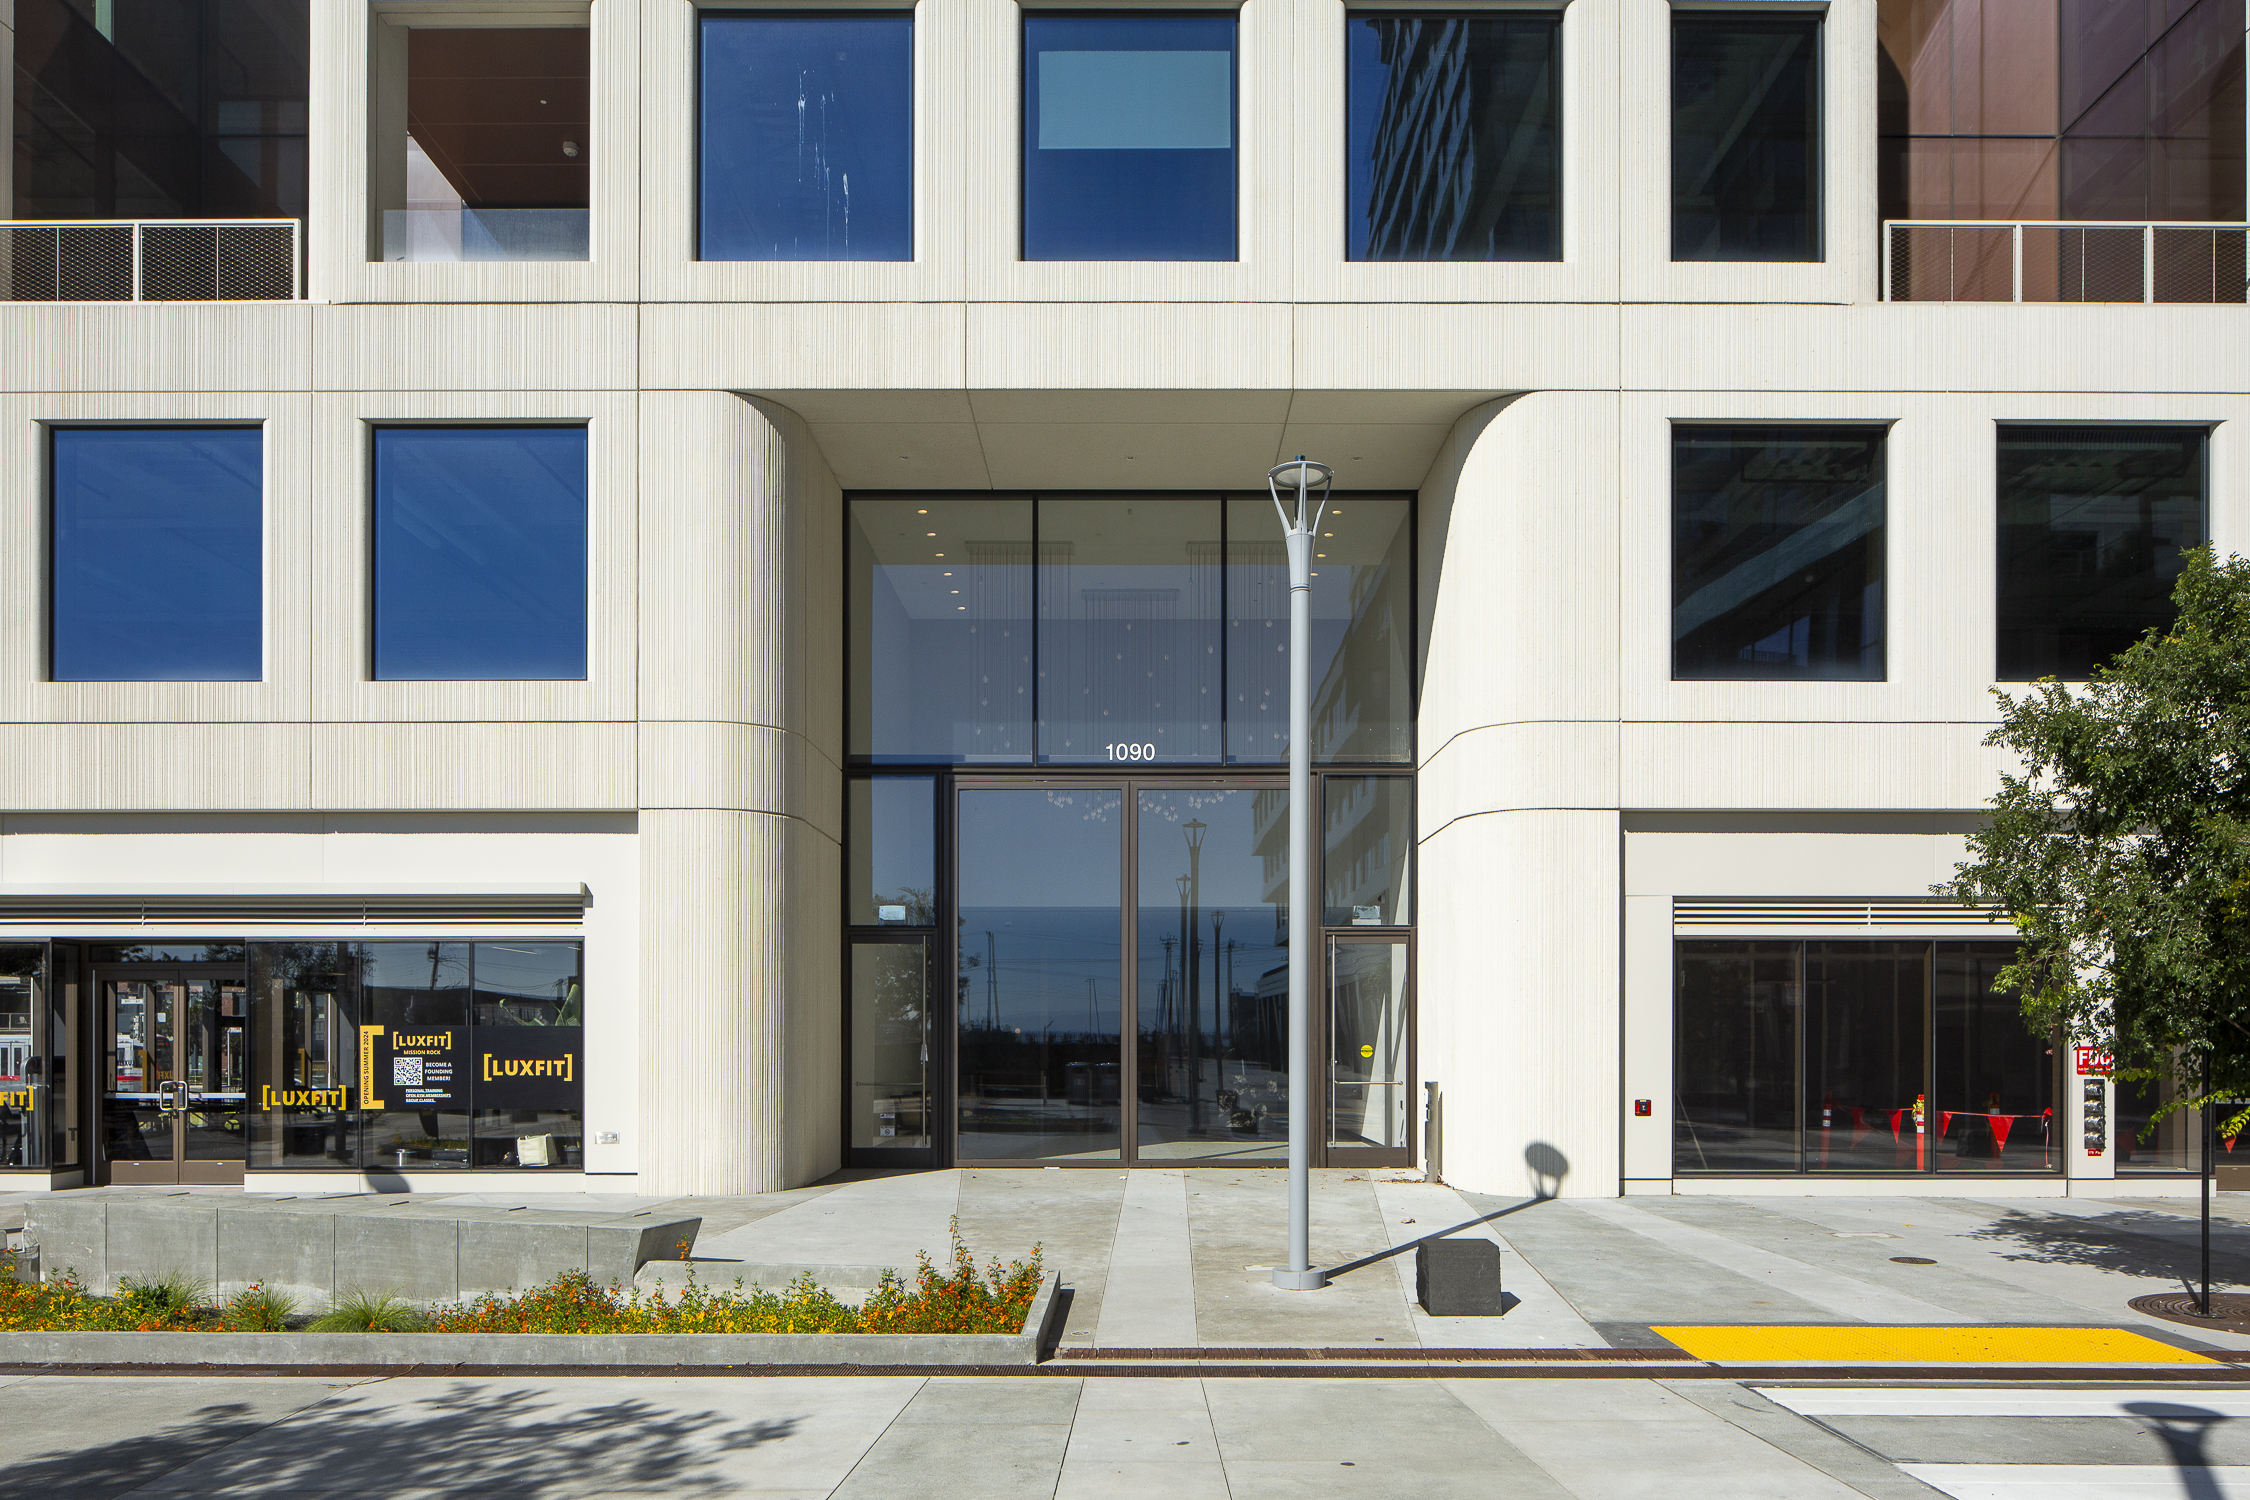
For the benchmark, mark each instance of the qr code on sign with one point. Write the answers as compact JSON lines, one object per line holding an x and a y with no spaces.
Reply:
{"x":406,"y":1072}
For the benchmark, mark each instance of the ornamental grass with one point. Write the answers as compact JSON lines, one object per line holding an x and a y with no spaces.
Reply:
{"x":958,"y":1300}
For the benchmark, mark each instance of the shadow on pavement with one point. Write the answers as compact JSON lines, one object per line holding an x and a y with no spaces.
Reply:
{"x":2131,"y":1242}
{"x":469,"y":1440}
{"x":2182,"y":1429}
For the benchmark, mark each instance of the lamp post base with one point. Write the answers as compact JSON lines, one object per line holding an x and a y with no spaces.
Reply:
{"x":1300,"y":1281}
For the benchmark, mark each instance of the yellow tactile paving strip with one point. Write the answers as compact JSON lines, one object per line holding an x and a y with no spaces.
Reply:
{"x":1861,"y":1343}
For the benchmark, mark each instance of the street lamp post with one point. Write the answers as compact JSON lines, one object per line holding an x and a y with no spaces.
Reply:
{"x":1307,"y":482}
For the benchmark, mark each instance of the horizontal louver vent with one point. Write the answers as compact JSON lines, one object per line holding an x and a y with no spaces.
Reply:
{"x":249,"y":911}
{"x":1830,"y":913}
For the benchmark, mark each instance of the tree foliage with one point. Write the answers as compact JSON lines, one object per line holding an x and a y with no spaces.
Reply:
{"x":2121,"y":846}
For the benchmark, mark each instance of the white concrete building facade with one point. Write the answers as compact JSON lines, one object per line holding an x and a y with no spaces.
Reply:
{"x":665,"y":838}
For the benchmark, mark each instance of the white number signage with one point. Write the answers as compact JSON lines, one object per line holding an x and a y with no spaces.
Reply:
{"x":1132,"y":752}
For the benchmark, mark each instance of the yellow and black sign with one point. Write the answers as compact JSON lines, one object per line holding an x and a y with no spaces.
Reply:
{"x":416,"y":1068}
{"x":528,"y":1067}
{"x":15,"y":1098}
{"x":271,"y":1098}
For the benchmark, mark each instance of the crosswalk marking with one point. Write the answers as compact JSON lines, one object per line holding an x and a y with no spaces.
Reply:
{"x":2082,"y":1481}
{"x":2113,"y":1401}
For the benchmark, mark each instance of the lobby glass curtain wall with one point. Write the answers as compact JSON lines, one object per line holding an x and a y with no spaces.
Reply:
{"x":1066,"y":877}
{"x":1892,"y":1057}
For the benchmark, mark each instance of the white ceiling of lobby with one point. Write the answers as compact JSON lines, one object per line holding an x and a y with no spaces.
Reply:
{"x":1139,"y":439}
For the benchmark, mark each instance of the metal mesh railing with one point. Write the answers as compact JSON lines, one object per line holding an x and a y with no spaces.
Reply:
{"x":152,"y":260}
{"x":1960,"y":260}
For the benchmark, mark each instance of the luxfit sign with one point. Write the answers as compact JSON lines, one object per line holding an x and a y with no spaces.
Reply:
{"x":460,"y":1068}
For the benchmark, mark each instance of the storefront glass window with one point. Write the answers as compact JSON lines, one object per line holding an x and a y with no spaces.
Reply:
{"x":1456,"y":137}
{"x":1129,"y":631}
{"x":892,"y":862}
{"x":2092,"y":524}
{"x":1212,"y":974}
{"x":1362,"y":601}
{"x":1367,"y":851}
{"x":1128,"y":137}
{"x":940,"y":630}
{"x":890,"y":1029}
{"x":1746,"y":136}
{"x":1042,"y":939}
{"x":410,"y":1056}
{"x":1857,"y":1057}
{"x":807,"y":147}
{"x":25,"y":1099}
{"x":1777,"y":553}
{"x":1735,"y":1041}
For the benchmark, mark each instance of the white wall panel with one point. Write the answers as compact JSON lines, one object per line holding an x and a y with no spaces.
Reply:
{"x":26,"y":694}
{"x":558,"y":347}
{"x":455,"y":765}
{"x":783,"y":347}
{"x":1840,"y":765}
{"x":343,"y":465}
{"x":1519,"y":999}
{"x":187,"y":347}
{"x":739,"y":768}
{"x":155,"y":766}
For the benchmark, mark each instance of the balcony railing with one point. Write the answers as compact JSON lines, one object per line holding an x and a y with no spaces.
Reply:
{"x":1980,"y":260}
{"x":485,"y":234}
{"x":152,"y":260}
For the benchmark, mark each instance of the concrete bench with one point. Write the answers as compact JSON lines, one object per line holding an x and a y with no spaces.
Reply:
{"x":316,"y":1248}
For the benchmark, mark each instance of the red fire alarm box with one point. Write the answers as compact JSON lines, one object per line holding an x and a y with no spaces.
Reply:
{"x":1643,"y":1107}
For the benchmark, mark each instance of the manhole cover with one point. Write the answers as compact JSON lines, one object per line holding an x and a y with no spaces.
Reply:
{"x":2227,"y":1308}
{"x":1913,"y":1260}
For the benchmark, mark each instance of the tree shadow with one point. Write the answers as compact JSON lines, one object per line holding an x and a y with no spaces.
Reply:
{"x":2130,"y":1242}
{"x":469,"y":1439}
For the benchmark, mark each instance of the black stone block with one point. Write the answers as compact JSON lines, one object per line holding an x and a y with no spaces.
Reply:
{"x":1458,"y":1278}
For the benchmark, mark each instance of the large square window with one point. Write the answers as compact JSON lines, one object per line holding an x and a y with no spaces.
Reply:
{"x":480,"y":553}
{"x":1129,"y":137}
{"x":1777,"y":552}
{"x":1745,"y":137}
{"x":807,"y":149}
{"x":2092,"y":522}
{"x":158,"y":554}
{"x":1456,"y":138}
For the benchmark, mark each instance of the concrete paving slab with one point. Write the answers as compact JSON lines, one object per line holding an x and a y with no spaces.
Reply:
{"x":2039,"y":1440}
{"x":969,"y":1440}
{"x":1240,"y":1222}
{"x":1106,"y":1480}
{"x":883,"y":1222}
{"x":1824,"y":1288}
{"x":1538,"y":1315}
{"x":1148,"y":1296}
{"x":1072,"y":1216}
{"x":72,"y":1438}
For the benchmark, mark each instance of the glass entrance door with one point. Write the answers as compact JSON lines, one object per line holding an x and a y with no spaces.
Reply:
{"x":890,"y":1047}
{"x":1368,"y":1033}
{"x":175,"y":1078}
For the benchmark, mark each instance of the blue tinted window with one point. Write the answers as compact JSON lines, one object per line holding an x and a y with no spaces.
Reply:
{"x":808,"y":138}
{"x":158,"y":556}
{"x":480,"y":553}
{"x":1456,"y":139}
{"x":1128,"y":146}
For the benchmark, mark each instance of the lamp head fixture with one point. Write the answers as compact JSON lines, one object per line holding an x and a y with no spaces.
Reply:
{"x":1306,"y":480}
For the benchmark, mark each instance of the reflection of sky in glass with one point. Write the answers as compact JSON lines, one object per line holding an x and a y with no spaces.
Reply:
{"x":1039,"y":908}
{"x":414,"y":966}
{"x":541,"y":971}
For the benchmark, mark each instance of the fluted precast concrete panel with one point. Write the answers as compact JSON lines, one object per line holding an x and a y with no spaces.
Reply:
{"x":474,"y":767}
{"x":741,"y":1052}
{"x":741,"y":567}
{"x":1517,"y":768}
{"x":739,"y":768}
{"x":1518,"y":1000}
{"x":1519,"y":548}
{"x":160,"y":767}
{"x":191,"y":347}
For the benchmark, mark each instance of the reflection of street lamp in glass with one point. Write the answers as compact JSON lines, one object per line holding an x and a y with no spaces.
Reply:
{"x":1222,"y":989}
{"x":1193,"y":957}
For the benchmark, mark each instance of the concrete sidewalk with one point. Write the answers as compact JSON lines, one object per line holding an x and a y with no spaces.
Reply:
{"x":1159,"y":1258}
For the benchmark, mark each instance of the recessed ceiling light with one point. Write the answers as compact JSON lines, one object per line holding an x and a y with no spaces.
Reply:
{"x":929,"y":533}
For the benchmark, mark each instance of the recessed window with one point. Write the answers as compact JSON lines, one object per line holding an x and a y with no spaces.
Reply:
{"x":1745,"y":137}
{"x":480,"y":554}
{"x":1129,"y":137}
{"x":2092,"y":522}
{"x":158,"y":561}
{"x":807,"y":150}
{"x":484,"y":138}
{"x":1777,"y":552}
{"x":1456,"y":138}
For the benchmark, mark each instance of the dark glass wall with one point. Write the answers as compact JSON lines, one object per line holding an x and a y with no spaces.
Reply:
{"x":1455,"y":129}
{"x":1128,"y":640}
{"x":479,"y":554}
{"x":1777,"y":553}
{"x":2061,"y":109}
{"x":26,"y":1099}
{"x":1038,"y":1005}
{"x":1856,"y":1057}
{"x":160,"y":109}
{"x":1129,"y":136}
{"x":807,"y":143}
{"x":417,"y":1055}
{"x":158,"y":537}
{"x":1746,"y":138}
{"x":2092,"y":522}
